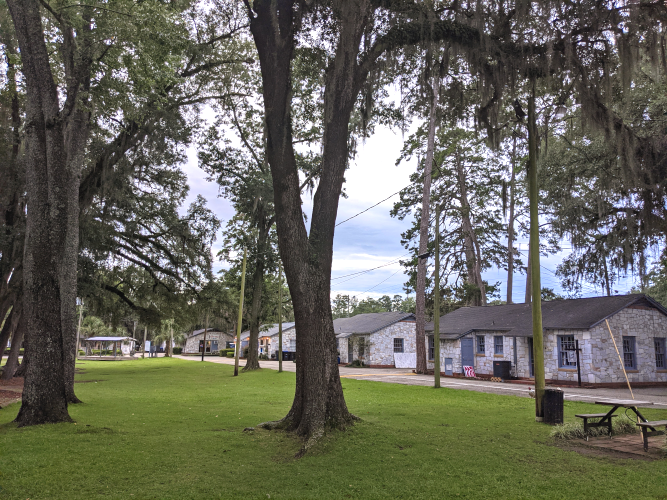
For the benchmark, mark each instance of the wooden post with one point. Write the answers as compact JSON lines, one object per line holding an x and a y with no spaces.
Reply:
{"x":620,"y":359}
{"x":536,"y":287}
{"x":280,"y":317}
{"x":240,"y":316}
{"x":78,"y":331}
{"x":436,"y":303}
{"x":203,"y":351}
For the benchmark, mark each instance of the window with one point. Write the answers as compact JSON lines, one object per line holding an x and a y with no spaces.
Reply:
{"x":398,"y":345}
{"x":567,"y":356}
{"x":497,"y":345}
{"x":292,"y":345}
{"x":481,"y":346}
{"x":431,"y":348}
{"x":660,"y":353}
{"x":629,"y":352}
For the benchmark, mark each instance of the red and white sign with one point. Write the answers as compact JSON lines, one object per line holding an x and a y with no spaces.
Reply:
{"x":469,"y":371}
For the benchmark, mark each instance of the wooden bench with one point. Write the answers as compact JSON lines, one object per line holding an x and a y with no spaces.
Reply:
{"x":605,"y":421}
{"x":644,"y":429}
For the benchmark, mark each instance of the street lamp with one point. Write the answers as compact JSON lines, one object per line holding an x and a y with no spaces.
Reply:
{"x":560,"y":110}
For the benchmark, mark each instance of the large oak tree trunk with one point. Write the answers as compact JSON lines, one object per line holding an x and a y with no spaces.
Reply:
{"x":318,"y":400}
{"x":55,"y":140}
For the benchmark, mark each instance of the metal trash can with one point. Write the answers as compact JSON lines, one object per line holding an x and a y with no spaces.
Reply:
{"x":552,"y":406}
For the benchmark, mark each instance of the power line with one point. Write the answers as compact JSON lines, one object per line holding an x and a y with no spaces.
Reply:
{"x":372,"y":206}
{"x":369,"y":270}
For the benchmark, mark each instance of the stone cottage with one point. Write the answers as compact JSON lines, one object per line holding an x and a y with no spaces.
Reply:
{"x":215,"y":340}
{"x":478,"y":336}
{"x":377,"y":339}
{"x":268,"y":339}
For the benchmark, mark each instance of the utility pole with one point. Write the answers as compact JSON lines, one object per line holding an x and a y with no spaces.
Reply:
{"x":240,"y":317}
{"x":533,"y":193}
{"x":436,"y":303}
{"x":280,"y":317}
{"x":203,"y":351}
{"x":78,"y":331}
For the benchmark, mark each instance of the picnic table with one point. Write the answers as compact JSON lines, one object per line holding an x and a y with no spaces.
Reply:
{"x":646,"y":428}
{"x":605,"y":418}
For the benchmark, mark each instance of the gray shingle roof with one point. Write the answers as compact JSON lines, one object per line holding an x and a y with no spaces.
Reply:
{"x":210,"y":330}
{"x":369,"y":322}
{"x":269,"y":330}
{"x":516,"y":319}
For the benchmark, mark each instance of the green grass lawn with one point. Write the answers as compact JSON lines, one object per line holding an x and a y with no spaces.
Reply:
{"x":160,"y":428}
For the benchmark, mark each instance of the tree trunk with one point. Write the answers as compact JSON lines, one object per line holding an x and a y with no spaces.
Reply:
{"x":55,"y":141}
{"x":471,"y":245}
{"x":13,"y":359}
{"x":252,"y":361}
{"x":318,"y":401}
{"x":420,"y":309}
{"x":510,"y":227}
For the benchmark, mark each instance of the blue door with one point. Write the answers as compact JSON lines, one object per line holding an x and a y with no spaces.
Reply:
{"x":467,"y":353}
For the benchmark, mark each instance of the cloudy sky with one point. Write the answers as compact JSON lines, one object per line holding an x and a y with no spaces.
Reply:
{"x":373,"y":238}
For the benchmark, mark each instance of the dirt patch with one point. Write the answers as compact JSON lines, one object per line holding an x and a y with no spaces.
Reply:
{"x":14,"y":382}
{"x":9,"y":397}
{"x":626,"y":447}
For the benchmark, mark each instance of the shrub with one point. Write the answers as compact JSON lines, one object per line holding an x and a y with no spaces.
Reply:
{"x":357,"y":363}
{"x":263,"y":356}
{"x":177,"y":350}
{"x":230,"y":354}
{"x":245,"y":352}
{"x":225,"y":352}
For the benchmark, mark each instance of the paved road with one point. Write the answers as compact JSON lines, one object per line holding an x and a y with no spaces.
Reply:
{"x":655,"y":395}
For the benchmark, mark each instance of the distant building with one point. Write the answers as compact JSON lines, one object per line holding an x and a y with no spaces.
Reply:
{"x":268,"y":339}
{"x":478,"y":336}
{"x":215,"y":340}
{"x":377,"y":339}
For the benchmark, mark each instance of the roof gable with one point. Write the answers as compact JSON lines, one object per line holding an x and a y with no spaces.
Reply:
{"x":369,"y":322}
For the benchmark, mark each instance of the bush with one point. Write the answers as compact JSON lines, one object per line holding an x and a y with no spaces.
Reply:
{"x":264,"y":357}
{"x":177,"y":350}
{"x":245,"y":352}
{"x":230,"y":354}
{"x":357,"y":363}
{"x":225,"y":352}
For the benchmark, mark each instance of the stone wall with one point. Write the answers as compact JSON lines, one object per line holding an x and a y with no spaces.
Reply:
{"x":483,"y":363}
{"x":192,"y":343}
{"x":380,"y":345}
{"x":382,"y":342}
{"x":599,"y":360}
